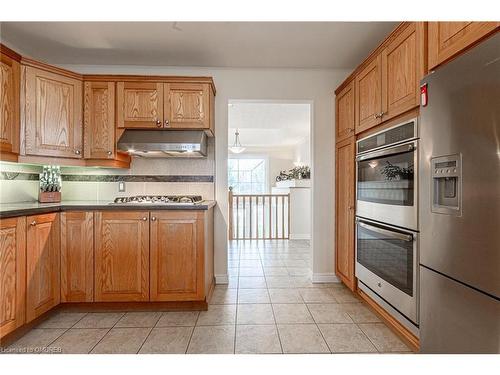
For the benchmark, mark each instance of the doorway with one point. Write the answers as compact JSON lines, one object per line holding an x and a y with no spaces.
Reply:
{"x":269,"y":170}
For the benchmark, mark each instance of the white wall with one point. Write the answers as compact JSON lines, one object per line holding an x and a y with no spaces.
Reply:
{"x":302,"y":152}
{"x":312,"y":85}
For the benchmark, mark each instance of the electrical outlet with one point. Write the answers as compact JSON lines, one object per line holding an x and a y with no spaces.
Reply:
{"x":121,"y":186}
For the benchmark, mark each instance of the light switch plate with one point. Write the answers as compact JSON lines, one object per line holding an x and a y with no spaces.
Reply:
{"x":121,"y":186}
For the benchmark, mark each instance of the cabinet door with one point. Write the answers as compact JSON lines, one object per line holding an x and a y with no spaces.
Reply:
{"x":77,"y":257}
{"x":177,"y":256}
{"x":139,"y":104}
{"x":187,"y":105}
{"x":53,"y":114}
{"x":448,"y":39}
{"x":9,"y":107}
{"x":99,"y":120}
{"x":345,"y":112}
{"x":368,"y":96}
{"x":401,"y":73}
{"x":344,"y":234}
{"x":12,"y":274}
{"x":42,"y":264}
{"x":121,"y":256}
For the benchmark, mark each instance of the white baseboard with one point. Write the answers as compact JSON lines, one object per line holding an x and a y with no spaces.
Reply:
{"x":221,"y":279}
{"x":319,"y":278}
{"x":299,"y":236}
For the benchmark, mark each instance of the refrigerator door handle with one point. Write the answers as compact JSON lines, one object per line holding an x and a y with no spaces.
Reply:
{"x":397,"y":235}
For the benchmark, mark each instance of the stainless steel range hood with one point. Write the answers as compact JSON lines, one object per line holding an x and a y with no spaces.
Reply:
{"x":164,"y":143}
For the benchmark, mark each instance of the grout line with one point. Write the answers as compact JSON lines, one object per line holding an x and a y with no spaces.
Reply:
{"x":65,"y":329}
{"x":369,"y":339}
{"x":317,"y":326}
{"x":109,"y":329}
{"x":146,"y":339}
{"x":192,"y":332}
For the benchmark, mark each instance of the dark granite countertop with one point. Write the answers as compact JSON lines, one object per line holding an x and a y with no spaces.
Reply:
{"x":34,"y":208}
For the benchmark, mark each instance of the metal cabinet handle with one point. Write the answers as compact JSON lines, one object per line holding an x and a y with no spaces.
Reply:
{"x":381,"y":114}
{"x":33,"y":223}
{"x":167,"y":122}
{"x":158,"y":123}
{"x":78,"y":152}
{"x":144,"y":219}
{"x":388,"y":233}
{"x":153,"y":218}
{"x":351,"y":208}
{"x":110,"y":153}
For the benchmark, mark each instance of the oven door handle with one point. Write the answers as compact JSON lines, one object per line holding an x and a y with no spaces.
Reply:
{"x":399,"y":236}
{"x":407,"y":147}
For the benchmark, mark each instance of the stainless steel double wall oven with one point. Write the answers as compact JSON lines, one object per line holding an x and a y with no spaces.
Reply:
{"x":387,"y":219}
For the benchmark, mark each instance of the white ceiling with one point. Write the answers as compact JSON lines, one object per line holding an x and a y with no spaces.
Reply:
{"x":266,"y":124}
{"x":209,"y":44}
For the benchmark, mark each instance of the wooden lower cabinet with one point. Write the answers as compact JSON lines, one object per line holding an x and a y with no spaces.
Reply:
{"x":344,"y":212}
{"x":121,"y":256}
{"x":12,"y":274}
{"x":177,"y":256}
{"x":77,"y":256}
{"x":43,"y":253}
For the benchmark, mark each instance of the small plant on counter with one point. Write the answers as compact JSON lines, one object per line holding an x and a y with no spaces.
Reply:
{"x":50,"y":184}
{"x":297,"y":173}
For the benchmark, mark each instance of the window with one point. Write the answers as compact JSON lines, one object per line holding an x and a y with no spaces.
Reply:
{"x":247,"y":176}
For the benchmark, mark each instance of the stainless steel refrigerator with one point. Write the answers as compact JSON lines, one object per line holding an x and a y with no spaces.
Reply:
{"x":459,"y":204}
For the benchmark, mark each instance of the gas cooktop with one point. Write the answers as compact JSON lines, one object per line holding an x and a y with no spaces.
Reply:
{"x":160,"y":199}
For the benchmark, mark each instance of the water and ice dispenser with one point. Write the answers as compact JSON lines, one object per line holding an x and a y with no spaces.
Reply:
{"x":446,"y":184}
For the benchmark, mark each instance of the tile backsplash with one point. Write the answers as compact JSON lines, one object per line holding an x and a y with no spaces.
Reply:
{"x":19,"y":182}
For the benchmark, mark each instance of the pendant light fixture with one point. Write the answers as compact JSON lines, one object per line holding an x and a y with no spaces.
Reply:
{"x":236,"y":148}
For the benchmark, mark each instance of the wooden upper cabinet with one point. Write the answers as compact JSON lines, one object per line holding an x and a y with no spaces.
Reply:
{"x":121,"y":256}
{"x":12,"y":274}
{"x":53,"y":114}
{"x":368,"y":103}
{"x":9,"y":106}
{"x":77,"y":256}
{"x":344,"y":109}
{"x":175,"y":105}
{"x":344,"y":210}
{"x":42,"y":264}
{"x":389,"y":84}
{"x":187,"y":105}
{"x":177,"y":256}
{"x":401,"y":73}
{"x":99,"y":120}
{"x":448,"y":39}
{"x":140,"y":105}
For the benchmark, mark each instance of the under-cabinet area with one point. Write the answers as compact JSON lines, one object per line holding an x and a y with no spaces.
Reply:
{"x":86,"y":258}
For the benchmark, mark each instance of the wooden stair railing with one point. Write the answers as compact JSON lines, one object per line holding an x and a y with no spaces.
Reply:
{"x":259,"y":216}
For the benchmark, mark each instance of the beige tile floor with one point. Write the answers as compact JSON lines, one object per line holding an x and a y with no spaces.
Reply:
{"x":269,"y":306}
